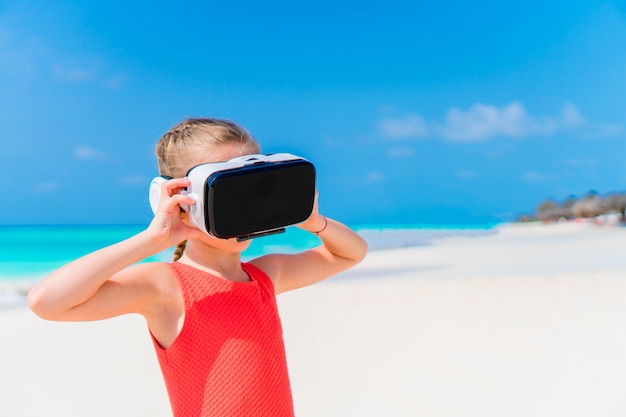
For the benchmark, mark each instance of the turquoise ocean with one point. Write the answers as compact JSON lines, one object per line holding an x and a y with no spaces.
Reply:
{"x":28,"y":253}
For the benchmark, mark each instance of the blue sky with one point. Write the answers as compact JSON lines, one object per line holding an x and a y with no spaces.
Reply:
{"x":442,"y":112}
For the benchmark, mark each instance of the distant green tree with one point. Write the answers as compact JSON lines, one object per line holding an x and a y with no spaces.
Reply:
{"x":590,"y":206}
{"x":568,"y":205}
{"x":615,"y":203}
{"x":546,"y":210}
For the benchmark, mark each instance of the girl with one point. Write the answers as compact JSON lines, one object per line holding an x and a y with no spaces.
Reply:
{"x":213,"y":319}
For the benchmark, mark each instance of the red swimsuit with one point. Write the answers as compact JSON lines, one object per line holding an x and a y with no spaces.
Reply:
{"x":229,"y":358}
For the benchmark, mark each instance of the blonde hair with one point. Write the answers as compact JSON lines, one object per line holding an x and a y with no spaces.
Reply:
{"x":180,"y":148}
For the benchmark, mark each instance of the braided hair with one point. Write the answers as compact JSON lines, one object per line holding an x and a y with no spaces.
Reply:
{"x":180,"y":148}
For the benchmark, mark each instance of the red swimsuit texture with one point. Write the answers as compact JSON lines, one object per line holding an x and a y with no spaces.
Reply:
{"x":229,"y":358}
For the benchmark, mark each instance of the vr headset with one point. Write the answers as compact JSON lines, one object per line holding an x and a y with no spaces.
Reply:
{"x":249,"y":196}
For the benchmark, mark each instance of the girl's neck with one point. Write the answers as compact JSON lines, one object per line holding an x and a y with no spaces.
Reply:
{"x":221,"y":263}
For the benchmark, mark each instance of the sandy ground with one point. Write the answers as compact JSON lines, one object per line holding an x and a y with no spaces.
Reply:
{"x":529,"y":321}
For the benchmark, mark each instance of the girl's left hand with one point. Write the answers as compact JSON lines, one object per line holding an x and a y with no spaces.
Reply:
{"x":316,"y":221}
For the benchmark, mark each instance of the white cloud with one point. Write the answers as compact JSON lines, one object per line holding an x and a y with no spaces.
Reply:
{"x":571,"y":117}
{"x":482,"y":122}
{"x":86,"y":152}
{"x":411,"y":126}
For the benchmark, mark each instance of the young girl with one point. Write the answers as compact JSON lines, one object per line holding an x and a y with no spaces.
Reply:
{"x":212,"y":318}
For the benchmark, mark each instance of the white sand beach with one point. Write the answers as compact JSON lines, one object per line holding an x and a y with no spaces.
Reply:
{"x":528,"y":321}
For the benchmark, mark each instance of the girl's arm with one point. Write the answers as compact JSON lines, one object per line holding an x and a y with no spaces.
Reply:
{"x":99,"y":285}
{"x":95,"y":286}
{"x":341,"y":249}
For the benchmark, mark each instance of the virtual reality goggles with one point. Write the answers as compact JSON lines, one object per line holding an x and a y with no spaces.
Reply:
{"x":248,"y":196}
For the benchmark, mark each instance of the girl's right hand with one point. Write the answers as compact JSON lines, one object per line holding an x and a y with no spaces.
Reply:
{"x":168,"y":227}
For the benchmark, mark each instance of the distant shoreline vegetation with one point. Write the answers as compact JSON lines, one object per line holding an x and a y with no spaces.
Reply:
{"x":607,"y":209}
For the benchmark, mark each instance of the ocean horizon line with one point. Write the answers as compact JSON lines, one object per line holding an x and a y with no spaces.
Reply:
{"x":356,"y":225}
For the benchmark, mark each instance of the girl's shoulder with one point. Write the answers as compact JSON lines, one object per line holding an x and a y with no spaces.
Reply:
{"x":156,"y":278}
{"x":273,"y":266}
{"x":148,"y":270}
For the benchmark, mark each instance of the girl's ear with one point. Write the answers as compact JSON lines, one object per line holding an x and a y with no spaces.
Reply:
{"x":184,"y":217}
